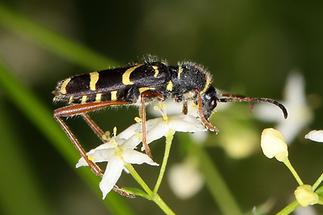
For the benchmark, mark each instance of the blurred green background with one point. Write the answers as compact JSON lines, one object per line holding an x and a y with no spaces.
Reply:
{"x":250,"y":47}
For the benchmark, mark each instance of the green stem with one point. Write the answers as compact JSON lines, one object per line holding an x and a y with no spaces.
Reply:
{"x":293,"y":171}
{"x":318,"y":182}
{"x":154,"y":196}
{"x":215,"y":183}
{"x":289,"y":208}
{"x":169,"y":140}
{"x":138,"y":178}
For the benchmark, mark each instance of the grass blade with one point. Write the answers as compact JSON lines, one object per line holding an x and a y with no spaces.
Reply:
{"x":41,"y":117}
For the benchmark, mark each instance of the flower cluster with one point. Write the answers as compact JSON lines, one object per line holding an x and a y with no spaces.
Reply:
{"x":120,"y":150}
{"x":273,"y":144}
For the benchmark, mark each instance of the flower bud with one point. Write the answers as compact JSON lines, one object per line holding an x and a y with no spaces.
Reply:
{"x":273,"y":144}
{"x":305,"y":195}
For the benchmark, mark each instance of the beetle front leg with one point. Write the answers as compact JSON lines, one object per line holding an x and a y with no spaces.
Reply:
{"x":205,"y":122}
{"x":142,"y":114}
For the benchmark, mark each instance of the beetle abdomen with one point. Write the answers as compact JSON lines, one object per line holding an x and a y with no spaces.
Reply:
{"x":112,"y":84}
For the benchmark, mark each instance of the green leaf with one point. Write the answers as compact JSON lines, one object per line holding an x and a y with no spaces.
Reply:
{"x":18,"y":184}
{"x":41,"y":117}
{"x":51,"y":41}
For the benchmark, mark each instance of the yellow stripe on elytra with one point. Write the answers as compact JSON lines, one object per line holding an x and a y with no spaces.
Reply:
{"x":114,"y":95}
{"x":94,"y":77}
{"x":179,"y":71}
{"x":70,"y":100}
{"x":63,"y":86}
{"x":169,"y":86}
{"x":98,"y":97}
{"x":126,"y":75}
{"x":83,"y":100}
{"x":207,"y":83}
{"x":143,"y":89}
{"x":156,"y":71}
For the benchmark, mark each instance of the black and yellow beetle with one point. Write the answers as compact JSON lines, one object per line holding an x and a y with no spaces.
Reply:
{"x":139,"y":84}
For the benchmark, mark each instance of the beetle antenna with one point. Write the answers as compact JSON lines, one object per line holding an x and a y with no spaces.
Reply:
{"x":239,"y":98}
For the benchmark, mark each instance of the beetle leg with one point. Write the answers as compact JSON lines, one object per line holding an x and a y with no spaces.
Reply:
{"x":185,"y":108}
{"x":142,"y":115}
{"x":80,"y":109}
{"x":95,"y":128}
{"x":205,"y":122}
{"x":93,"y":166}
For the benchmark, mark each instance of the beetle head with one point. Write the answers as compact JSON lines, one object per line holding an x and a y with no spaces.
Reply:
{"x":209,"y":101}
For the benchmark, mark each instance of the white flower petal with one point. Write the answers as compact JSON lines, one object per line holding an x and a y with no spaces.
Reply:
{"x":81,"y":163}
{"x":315,"y":135}
{"x":185,"y":180}
{"x":299,"y":113}
{"x":172,"y":108}
{"x":108,"y":145}
{"x":156,"y":129}
{"x":130,"y":131}
{"x":294,"y":90}
{"x":97,"y":156}
{"x":185,"y":123}
{"x":111,"y":175}
{"x":199,"y":137}
{"x":295,"y":123}
{"x":135,"y":157}
{"x":267,"y":112}
{"x":132,"y":142}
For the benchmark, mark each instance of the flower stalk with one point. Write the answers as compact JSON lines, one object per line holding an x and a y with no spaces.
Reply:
{"x":273,"y":145}
{"x":169,"y":140}
{"x":153,"y":196}
{"x":318,"y":182}
{"x":292,"y":170}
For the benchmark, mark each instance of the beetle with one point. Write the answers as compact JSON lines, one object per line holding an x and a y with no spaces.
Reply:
{"x":138,"y":84}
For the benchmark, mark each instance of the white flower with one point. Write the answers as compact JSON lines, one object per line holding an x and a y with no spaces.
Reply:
{"x":171,"y":107}
{"x":185,"y":179}
{"x":159,"y":127}
{"x":117,"y":152}
{"x":273,"y":144}
{"x":315,"y":135}
{"x":299,"y":112}
{"x":120,"y":149}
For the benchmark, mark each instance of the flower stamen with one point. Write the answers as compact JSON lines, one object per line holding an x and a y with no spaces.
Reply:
{"x":137,"y":119}
{"x":161,"y":108}
{"x":114,"y":131}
